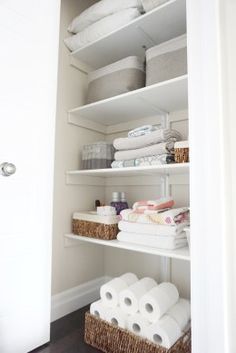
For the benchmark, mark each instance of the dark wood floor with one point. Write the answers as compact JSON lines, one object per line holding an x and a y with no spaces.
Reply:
{"x":67,"y":335}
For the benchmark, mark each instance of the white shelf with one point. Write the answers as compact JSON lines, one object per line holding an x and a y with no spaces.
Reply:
{"x":167,"y":169}
{"x":167,"y":96}
{"x":157,"y":26}
{"x":181,"y":254}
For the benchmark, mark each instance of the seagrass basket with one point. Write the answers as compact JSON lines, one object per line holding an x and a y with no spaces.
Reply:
{"x":182,"y":152}
{"x":94,"y":230}
{"x":112,"y":339}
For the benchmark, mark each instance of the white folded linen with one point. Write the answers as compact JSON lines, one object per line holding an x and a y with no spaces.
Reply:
{"x":148,"y":5}
{"x":159,"y":148}
{"x":155,"y":241}
{"x":160,"y":135}
{"x":158,"y":159}
{"x":152,"y":229}
{"x":101,"y":28}
{"x":172,"y":217}
{"x":142,"y":130}
{"x":100,"y":10}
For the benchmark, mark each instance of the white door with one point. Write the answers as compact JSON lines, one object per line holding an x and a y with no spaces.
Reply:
{"x":29,"y":32}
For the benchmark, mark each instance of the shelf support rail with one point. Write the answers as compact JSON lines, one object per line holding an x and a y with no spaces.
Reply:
{"x":165,"y":261}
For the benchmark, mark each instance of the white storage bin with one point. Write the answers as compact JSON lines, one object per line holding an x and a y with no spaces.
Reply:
{"x":167,"y":60}
{"x":120,"y":77}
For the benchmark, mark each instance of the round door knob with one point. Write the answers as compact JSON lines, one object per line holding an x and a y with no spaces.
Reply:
{"x":7,"y":169}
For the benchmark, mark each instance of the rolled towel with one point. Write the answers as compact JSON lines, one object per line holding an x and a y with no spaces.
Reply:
{"x":153,"y":138}
{"x":110,"y":291}
{"x":98,"y":309}
{"x":100,"y":10}
{"x":180,"y":312}
{"x":158,"y":301}
{"x":137,"y":324}
{"x":164,"y":332}
{"x":151,"y":229}
{"x":159,"y":148}
{"x":117,"y":317}
{"x":129,"y":298}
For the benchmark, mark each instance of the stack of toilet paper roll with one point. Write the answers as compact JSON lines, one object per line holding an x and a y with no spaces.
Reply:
{"x":144,"y":308}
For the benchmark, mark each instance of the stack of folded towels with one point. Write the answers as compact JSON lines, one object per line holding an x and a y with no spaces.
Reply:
{"x":146,"y":145}
{"x":143,"y":307}
{"x":154,"y":223}
{"x":101,"y":19}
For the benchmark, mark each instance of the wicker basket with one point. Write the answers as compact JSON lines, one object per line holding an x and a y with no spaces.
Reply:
{"x":94,"y":230}
{"x":182,"y":152}
{"x":111,"y":339}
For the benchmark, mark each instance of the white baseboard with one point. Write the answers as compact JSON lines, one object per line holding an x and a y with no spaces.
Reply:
{"x":75,"y":298}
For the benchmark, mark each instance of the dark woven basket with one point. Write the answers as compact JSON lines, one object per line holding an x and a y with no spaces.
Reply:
{"x":112,"y":339}
{"x":181,"y":155}
{"x":94,"y":230}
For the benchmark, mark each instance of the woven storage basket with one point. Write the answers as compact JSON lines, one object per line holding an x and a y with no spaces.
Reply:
{"x":95,"y":230}
{"x":182,"y":152}
{"x":91,"y":225}
{"x":111,"y":339}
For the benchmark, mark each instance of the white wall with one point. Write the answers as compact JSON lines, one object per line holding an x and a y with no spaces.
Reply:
{"x":75,"y":265}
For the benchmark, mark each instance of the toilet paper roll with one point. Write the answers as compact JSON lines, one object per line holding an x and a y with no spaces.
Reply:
{"x":98,"y":309}
{"x":158,"y":301}
{"x":164,"y":332}
{"x":129,"y":278}
{"x":129,"y":298}
{"x":138,"y":325}
{"x":117,"y":317}
{"x":180,"y":312}
{"x":110,"y":291}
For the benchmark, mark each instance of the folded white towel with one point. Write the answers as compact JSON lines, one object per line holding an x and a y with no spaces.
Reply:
{"x":100,"y":10}
{"x":142,"y":130}
{"x":160,"y":148}
{"x":152,"y":138}
{"x":101,"y":28}
{"x":152,"y":229}
{"x":155,"y":241}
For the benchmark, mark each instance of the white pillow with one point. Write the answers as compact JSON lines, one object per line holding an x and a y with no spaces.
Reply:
{"x":101,"y":28}
{"x":100,"y":10}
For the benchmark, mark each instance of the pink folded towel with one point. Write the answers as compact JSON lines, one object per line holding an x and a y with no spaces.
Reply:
{"x":153,"y":205}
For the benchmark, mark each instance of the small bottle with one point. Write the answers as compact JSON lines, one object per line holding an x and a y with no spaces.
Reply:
{"x":97,"y":204}
{"x":116,"y":201}
{"x":123,"y":201}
